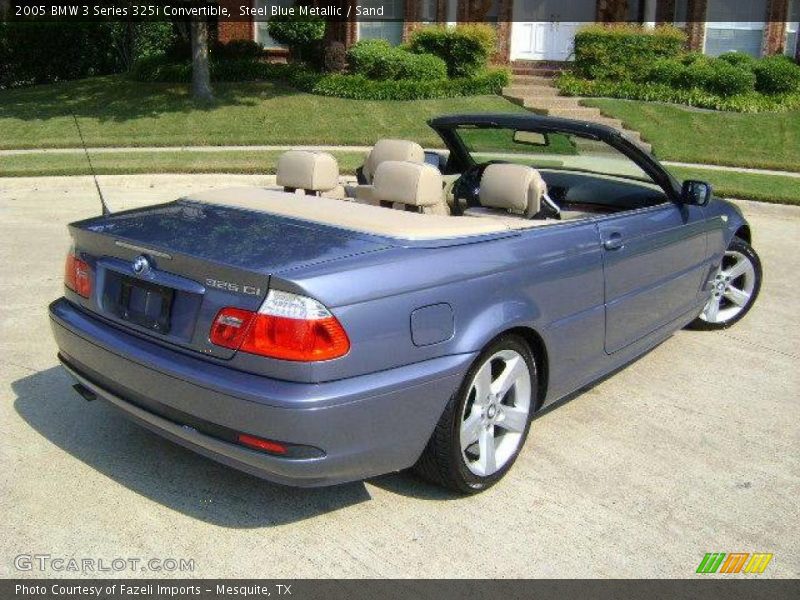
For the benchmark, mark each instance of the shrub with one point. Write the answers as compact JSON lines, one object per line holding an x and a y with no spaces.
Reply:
{"x":237,"y":50}
{"x":422,"y":66}
{"x":718,"y":77}
{"x":751,"y":102}
{"x":739,"y":59}
{"x":689,"y":58}
{"x":668,"y":71}
{"x":364,"y":56}
{"x":376,"y":59}
{"x":465,"y":48}
{"x":623,"y":51}
{"x":777,"y":75}
{"x":358,"y":87}
{"x":160,"y":69}
{"x":335,"y":58}
{"x":44,"y":52}
{"x":300,"y":33}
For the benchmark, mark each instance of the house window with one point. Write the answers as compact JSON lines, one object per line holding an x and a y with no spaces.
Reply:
{"x":390,"y":30}
{"x":262,"y":33}
{"x":792,"y":26}
{"x":735,"y":27}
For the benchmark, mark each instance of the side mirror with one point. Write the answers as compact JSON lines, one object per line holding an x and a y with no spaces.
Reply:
{"x":696,"y":192}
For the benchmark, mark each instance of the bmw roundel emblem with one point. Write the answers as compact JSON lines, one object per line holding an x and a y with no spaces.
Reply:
{"x":141,"y":265}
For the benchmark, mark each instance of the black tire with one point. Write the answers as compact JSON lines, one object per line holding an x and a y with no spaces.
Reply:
{"x":742,"y":247}
{"x":442,"y":462}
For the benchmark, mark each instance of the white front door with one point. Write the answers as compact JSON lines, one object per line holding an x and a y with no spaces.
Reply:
{"x":545,"y":30}
{"x":545,"y":40}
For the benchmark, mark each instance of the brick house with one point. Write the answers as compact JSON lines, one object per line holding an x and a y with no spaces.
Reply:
{"x":543,"y":30}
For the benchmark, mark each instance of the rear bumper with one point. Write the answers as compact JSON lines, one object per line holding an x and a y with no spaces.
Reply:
{"x":366,"y":425}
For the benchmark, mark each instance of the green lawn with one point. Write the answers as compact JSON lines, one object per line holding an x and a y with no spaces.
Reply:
{"x":116,"y":112}
{"x":118,"y":163}
{"x":777,"y":189}
{"x":767,"y":188}
{"x":764,"y":140}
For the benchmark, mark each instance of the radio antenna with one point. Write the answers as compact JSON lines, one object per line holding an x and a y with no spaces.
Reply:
{"x":103,"y":205}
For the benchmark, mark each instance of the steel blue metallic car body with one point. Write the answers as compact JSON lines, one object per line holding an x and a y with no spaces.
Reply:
{"x":588,"y":296}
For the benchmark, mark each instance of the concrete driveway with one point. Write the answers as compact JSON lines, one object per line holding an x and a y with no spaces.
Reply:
{"x":694,"y":448}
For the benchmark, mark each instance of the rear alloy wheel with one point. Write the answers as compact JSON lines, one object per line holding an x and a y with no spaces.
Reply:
{"x":734,"y":288}
{"x":485,"y":424}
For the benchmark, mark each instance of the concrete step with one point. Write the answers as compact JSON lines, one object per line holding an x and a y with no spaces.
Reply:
{"x":581,"y":112}
{"x":536,"y":72}
{"x":521,"y":89}
{"x":543,"y":68}
{"x":549,"y":102}
{"x":531,"y":80}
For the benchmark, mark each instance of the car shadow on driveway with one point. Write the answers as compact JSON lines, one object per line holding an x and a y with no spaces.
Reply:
{"x":100,"y":436}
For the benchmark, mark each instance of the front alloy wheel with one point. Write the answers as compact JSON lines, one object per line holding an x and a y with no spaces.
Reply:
{"x":734,"y":288}
{"x":485,"y":424}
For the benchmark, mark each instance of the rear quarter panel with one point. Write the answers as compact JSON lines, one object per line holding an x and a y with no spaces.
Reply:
{"x":548,"y":279}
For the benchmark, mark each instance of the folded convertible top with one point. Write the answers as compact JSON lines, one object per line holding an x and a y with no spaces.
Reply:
{"x":363,"y":218}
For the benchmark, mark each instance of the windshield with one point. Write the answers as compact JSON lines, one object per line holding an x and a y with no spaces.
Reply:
{"x":551,"y":151}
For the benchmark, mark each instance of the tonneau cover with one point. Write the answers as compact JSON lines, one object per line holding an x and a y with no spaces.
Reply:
{"x":363,"y":218}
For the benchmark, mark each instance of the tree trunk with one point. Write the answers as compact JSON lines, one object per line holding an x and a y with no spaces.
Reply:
{"x":201,"y":77}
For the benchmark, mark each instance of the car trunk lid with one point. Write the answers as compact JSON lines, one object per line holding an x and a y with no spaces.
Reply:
{"x":165,"y":271}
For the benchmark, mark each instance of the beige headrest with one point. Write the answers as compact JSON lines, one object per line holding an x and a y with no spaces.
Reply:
{"x":384,"y":150}
{"x":516,"y":188}
{"x":407,"y":183}
{"x":304,"y":170}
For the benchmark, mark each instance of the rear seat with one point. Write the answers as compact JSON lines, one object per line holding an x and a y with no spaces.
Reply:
{"x":309,"y":173}
{"x":383,"y":150}
{"x":409,"y":186}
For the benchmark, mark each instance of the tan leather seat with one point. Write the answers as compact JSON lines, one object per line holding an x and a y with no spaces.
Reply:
{"x":409,"y":186}
{"x":383,"y":150}
{"x":510,"y":192}
{"x":311,"y":173}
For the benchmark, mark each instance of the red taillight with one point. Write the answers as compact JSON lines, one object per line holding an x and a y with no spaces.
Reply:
{"x":264,"y":445}
{"x":296,"y":339}
{"x":77,"y":276}
{"x":230,"y":327}
{"x":312,"y":333}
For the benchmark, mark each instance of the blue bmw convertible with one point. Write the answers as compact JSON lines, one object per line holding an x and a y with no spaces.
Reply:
{"x":328,"y":329}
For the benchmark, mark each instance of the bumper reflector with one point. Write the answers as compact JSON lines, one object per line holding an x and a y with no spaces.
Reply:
{"x":257,"y":443}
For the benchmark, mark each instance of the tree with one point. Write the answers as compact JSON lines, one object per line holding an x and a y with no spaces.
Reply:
{"x":201,"y":75}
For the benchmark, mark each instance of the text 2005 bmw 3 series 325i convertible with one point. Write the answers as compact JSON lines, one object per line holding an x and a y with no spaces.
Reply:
{"x":318,"y":333}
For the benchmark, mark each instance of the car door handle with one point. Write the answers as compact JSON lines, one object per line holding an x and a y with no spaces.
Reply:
{"x":614,"y":242}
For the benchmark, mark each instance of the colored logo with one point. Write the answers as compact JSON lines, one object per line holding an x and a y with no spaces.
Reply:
{"x":734,"y":562}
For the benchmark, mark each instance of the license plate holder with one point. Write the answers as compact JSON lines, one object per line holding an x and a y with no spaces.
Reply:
{"x":145,"y":304}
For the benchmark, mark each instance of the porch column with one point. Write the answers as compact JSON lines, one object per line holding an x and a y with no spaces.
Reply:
{"x":650,"y":14}
{"x":696,"y":24}
{"x":449,"y":12}
{"x":775,"y":27}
